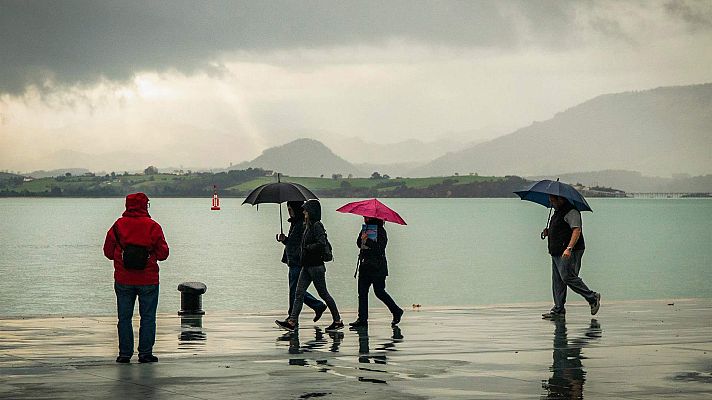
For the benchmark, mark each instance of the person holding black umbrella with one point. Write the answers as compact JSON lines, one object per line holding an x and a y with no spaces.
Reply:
{"x":295,"y":195}
{"x":566,"y":247}
{"x":315,"y":250}
{"x":291,"y":256}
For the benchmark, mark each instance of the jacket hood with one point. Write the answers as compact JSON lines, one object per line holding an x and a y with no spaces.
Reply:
{"x":313,"y":207}
{"x":373,"y":221}
{"x":296,"y":206}
{"x":136,"y":205}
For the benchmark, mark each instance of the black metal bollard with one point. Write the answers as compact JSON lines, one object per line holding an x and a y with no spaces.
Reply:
{"x":190,"y":300}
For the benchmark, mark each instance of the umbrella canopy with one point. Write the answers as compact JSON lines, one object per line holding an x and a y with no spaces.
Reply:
{"x":279,"y":192}
{"x":540,"y":191}
{"x":372,"y":208}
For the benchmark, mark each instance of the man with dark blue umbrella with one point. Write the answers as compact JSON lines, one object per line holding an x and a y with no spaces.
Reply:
{"x":565,"y":241}
{"x":566,"y":247}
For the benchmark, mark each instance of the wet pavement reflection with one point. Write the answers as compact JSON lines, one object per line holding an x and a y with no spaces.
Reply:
{"x":568,"y":376}
{"x":651,"y":349}
{"x":191,"y":331}
{"x":318,"y":342}
{"x":363,"y":345}
{"x":331,"y":341}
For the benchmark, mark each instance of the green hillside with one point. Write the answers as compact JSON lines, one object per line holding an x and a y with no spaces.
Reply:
{"x":330,"y":184}
{"x":238,"y":183}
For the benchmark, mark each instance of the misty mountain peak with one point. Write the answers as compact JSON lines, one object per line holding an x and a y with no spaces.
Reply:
{"x":302,"y":157}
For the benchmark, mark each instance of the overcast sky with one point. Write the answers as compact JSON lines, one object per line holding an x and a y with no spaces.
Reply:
{"x":203,"y":84}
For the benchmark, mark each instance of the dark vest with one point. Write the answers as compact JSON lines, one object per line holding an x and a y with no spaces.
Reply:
{"x":560,"y":232}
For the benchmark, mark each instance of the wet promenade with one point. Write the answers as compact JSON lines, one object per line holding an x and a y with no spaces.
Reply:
{"x":631,"y":350}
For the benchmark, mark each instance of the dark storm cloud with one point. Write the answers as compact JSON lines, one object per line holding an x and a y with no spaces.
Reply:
{"x":697,"y":14}
{"x":65,"y":43}
{"x":80,"y":42}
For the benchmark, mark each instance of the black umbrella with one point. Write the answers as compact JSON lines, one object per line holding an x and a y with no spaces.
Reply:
{"x":279,"y":192}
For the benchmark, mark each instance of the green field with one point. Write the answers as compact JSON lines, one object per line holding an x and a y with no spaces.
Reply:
{"x":329,"y":184}
{"x":239,"y":183}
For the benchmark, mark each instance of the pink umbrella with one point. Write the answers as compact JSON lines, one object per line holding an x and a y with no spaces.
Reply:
{"x":372,"y":208}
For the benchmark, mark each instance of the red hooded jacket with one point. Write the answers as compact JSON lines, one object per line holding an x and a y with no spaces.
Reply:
{"x":136,"y":227}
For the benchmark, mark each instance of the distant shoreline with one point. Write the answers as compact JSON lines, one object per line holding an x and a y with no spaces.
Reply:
{"x":238,"y":183}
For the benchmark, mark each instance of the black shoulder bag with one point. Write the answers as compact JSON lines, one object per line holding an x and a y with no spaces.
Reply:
{"x":134,"y":257}
{"x":328,"y":254}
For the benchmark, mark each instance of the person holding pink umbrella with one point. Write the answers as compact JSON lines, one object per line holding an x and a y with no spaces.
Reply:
{"x":372,"y":264}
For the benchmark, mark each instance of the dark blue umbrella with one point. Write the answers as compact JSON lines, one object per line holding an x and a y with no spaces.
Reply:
{"x":540,"y":191}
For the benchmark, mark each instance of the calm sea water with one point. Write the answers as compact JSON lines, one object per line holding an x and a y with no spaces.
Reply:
{"x":453,"y":252}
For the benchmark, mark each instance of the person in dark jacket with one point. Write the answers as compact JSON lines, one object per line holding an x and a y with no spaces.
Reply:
{"x":136,"y":228}
{"x":292,"y":252}
{"x":566,"y":247}
{"x":373,"y":269}
{"x":313,"y":248}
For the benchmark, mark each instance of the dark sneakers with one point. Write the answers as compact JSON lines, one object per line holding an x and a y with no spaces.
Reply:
{"x":335,"y":326}
{"x":397,"y":317}
{"x":358,"y":323}
{"x":553,"y":314}
{"x":286,"y":325}
{"x":147,"y":358}
{"x":596,"y":305}
{"x":319,"y":313}
{"x":123,"y":359}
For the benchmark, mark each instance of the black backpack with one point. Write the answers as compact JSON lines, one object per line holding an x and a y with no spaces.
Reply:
{"x":134,"y":257}
{"x":328,"y":254}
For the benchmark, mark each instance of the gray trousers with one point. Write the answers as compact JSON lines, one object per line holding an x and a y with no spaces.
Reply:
{"x":564,"y":274}
{"x":306,"y":277}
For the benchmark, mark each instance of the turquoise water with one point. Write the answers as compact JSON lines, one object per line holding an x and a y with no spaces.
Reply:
{"x":453,"y":252}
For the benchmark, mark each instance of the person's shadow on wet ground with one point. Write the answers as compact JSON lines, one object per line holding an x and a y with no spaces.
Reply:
{"x":365,"y":356}
{"x":318,"y":342}
{"x":135,"y":381}
{"x":363,"y":345}
{"x":568,"y":375}
{"x":336,"y":338}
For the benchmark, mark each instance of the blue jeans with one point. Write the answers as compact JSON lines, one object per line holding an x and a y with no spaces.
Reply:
{"x":317,"y":275}
{"x":147,"y":304}
{"x":311,"y":301}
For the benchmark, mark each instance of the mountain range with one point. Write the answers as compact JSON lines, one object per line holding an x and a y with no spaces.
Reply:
{"x":656,"y":132}
{"x":625,"y":137}
{"x":633,"y":181}
{"x":661,"y":131}
{"x":405,"y":152}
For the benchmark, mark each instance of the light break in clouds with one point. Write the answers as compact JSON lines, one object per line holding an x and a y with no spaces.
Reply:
{"x":203,"y":84}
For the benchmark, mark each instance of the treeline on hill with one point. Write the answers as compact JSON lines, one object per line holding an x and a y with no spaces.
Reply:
{"x":448,"y":187}
{"x":237,"y":183}
{"x":118,"y":185}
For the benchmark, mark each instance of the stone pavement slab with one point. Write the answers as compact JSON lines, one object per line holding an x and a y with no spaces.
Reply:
{"x":631,"y":350}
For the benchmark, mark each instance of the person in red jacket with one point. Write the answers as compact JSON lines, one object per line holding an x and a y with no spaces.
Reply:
{"x":136,"y":243}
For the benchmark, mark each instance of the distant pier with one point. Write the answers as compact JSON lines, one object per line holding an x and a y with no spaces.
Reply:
{"x":666,"y":195}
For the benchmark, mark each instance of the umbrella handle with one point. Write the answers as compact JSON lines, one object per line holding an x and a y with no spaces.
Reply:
{"x":547,"y":225}
{"x":281,"y":228}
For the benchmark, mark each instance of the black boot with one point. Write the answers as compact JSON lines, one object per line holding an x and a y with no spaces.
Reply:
{"x":358,"y":323}
{"x":397,"y":317}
